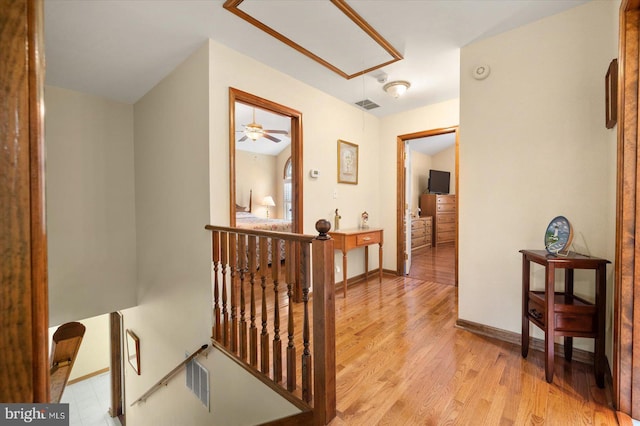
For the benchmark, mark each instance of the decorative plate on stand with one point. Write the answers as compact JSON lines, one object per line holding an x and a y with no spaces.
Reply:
{"x":558,"y":236}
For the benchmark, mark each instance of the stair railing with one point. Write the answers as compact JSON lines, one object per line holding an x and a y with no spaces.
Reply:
{"x":256,"y":277}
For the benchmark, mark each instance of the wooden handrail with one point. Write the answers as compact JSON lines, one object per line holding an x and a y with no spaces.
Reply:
{"x":169,"y":375}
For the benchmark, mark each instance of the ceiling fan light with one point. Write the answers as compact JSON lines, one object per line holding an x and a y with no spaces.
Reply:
{"x":253,"y":132}
{"x":396,"y":88}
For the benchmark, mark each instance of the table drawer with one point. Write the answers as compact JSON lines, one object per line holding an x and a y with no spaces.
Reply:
{"x":579,"y":317}
{"x":536,"y":311}
{"x":368,"y":238}
{"x":575,"y":323}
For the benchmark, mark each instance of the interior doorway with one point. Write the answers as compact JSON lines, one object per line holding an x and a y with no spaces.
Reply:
{"x":406,"y":207}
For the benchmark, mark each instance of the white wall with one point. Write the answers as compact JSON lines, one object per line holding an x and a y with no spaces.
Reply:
{"x":325,"y":120}
{"x":436,"y":116}
{"x":258,"y":173}
{"x":172,"y":137}
{"x":171,"y":168}
{"x":446,"y":160}
{"x":90,"y":205}
{"x":533,"y":145}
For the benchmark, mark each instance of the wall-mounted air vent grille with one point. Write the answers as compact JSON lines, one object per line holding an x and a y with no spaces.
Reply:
{"x":367,"y":104}
{"x":198,"y":381}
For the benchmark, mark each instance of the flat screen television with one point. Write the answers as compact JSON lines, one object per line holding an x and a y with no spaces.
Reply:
{"x":439,"y":182}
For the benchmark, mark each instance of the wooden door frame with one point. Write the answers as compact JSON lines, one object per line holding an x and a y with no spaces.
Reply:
{"x":297,"y":222}
{"x":236,"y":95}
{"x":626,"y":339}
{"x":116,"y":408}
{"x":24,"y":314}
{"x":401,"y":187}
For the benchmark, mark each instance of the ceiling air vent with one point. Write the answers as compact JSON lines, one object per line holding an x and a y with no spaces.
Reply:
{"x":367,"y":104}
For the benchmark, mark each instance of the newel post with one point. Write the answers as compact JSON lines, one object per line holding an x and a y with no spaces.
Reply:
{"x":324,"y":325}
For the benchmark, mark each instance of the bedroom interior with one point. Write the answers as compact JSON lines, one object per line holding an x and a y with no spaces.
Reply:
{"x":258,"y":165}
{"x":436,"y":151}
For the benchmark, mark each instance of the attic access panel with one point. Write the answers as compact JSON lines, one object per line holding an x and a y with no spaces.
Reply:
{"x":330,"y":32}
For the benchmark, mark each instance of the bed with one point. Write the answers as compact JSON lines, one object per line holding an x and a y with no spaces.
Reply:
{"x":248,"y":220}
{"x":245,"y":219}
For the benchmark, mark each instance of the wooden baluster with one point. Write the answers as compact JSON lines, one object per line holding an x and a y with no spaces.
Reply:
{"x":233,"y":266}
{"x":215,"y":243}
{"x":242,"y":256}
{"x":225,"y":313}
{"x":277,"y":343}
{"x":253,"y":331}
{"x":290,"y":268}
{"x":306,"y":353}
{"x":264,"y":336}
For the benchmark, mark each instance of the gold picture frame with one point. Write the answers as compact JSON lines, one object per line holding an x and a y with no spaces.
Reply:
{"x":133,"y":350}
{"x":347,"y":162}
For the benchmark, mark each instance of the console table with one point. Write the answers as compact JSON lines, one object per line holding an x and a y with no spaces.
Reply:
{"x":348,"y":239}
{"x":563,"y":313}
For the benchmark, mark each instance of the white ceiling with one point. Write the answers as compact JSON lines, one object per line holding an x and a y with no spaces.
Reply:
{"x":269,"y":121}
{"x":432,"y":145}
{"x":120,"y":49}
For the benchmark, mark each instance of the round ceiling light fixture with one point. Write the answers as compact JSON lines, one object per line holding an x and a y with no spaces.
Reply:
{"x":396,"y":88}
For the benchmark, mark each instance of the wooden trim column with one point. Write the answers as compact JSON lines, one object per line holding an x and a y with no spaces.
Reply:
{"x":626,"y":348}
{"x":24,"y":371}
{"x":115,"y":365}
{"x":324,"y":326}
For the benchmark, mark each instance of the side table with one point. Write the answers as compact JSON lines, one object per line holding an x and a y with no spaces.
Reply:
{"x":345,"y":240}
{"x":563,"y":313}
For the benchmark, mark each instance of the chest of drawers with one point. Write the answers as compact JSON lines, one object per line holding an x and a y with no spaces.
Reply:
{"x":443,"y":210}
{"x":421,"y":232}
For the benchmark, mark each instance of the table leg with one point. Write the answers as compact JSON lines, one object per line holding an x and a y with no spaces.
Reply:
{"x":380,"y":262}
{"x":525,"y":306}
{"x":344,"y":273}
{"x":366,"y":263}
{"x":601,"y":299}
{"x":568,"y":348}
{"x":568,"y":291}
{"x":549,"y":323}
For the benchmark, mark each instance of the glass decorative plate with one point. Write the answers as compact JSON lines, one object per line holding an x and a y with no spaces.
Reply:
{"x":559,"y":234}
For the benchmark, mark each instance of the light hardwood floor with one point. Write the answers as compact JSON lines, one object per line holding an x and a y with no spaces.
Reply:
{"x":401,"y":361}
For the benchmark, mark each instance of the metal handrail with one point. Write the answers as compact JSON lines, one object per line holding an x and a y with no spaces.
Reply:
{"x":169,"y":375}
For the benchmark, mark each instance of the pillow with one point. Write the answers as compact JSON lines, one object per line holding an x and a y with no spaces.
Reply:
{"x":240,"y":215}
{"x":240,"y":208}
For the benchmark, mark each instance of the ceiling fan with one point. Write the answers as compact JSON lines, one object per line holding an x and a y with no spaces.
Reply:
{"x":254,"y":131}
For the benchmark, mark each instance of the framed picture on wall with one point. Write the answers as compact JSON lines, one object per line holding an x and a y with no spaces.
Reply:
{"x":133,"y":351}
{"x":347,"y":162}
